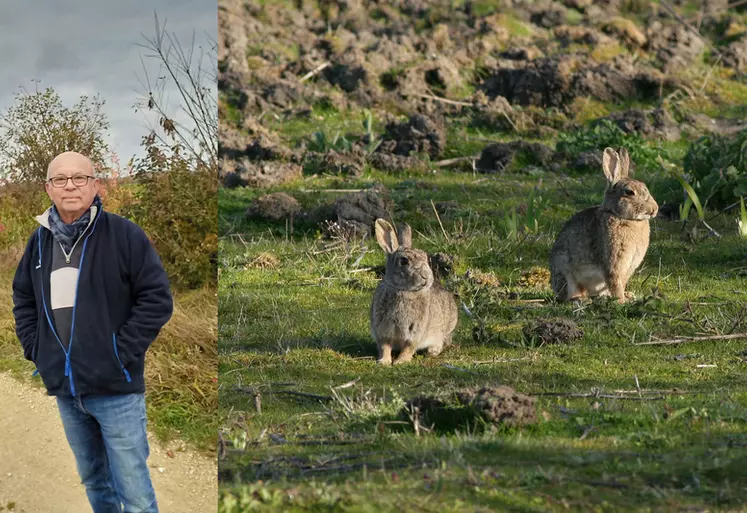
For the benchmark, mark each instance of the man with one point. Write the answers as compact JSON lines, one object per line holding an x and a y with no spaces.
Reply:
{"x":90,"y":295}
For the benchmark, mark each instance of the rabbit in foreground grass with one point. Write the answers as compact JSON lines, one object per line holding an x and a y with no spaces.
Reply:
{"x":599,"y":248}
{"x":410,"y":309}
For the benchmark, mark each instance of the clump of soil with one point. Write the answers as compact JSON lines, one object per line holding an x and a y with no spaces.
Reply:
{"x":277,"y":206}
{"x":245,"y":173}
{"x":354,"y":213}
{"x":482,"y":279}
{"x":568,"y":34}
{"x":501,"y":405}
{"x":587,"y":161}
{"x":255,"y":160}
{"x":552,"y":331}
{"x":655,"y":123}
{"x":535,"y":277}
{"x":499,"y":156}
{"x":337,"y":163}
{"x":396,"y":163}
{"x":674,"y":45}
{"x":347,"y":77}
{"x":496,"y":406}
{"x":419,"y":134}
{"x":549,"y":16}
{"x":626,"y":31}
{"x":556,"y":81}
{"x":441,"y":264}
{"x":735,"y":55}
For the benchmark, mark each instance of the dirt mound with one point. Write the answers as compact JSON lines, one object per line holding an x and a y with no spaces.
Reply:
{"x":674,"y":45}
{"x":535,"y":277}
{"x":656,"y":123}
{"x":254,"y":160}
{"x":556,"y":81}
{"x":482,"y":278}
{"x":354,"y":213}
{"x":569,"y":34}
{"x":626,"y":31}
{"x":735,"y":55}
{"x":337,"y":163}
{"x":496,"y":406}
{"x":248,"y":173}
{"x":277,"y":206}
{"x":346,"y":77}
{"x":419,"y":134}
{"x":553,"y":331}
{"x":497,"y":157}
{"x":501,"y":405}
{"x":549,"y":16}
{"x":588,"y":161}
{"x":441,"y":264}
{"x":395,"y":163}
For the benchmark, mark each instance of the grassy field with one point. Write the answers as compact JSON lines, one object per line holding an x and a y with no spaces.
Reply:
{"x":660,"y":428}
{"x":311,"y":423}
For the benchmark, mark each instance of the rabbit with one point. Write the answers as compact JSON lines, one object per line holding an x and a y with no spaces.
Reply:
{"x":410,"y":310}
{"x":599,"y":248}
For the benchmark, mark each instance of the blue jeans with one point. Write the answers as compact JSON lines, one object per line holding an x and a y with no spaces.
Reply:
{"x":108,"y":437}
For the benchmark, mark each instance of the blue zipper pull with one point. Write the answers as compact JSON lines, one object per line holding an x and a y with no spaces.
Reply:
{"x":67,"y":364}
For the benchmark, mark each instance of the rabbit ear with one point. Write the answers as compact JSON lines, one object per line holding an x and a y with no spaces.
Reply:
{"x":386,"y":237}
{"x":611,"y":165}
{"x":405,"y":236}
{"x":624,"y":163}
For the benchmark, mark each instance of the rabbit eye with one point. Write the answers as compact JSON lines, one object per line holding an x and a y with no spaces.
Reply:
{"x":404,"y":261}
{"x":629,"y":192}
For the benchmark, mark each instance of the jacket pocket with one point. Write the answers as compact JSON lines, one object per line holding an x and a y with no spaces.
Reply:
{"x":116,"y":354}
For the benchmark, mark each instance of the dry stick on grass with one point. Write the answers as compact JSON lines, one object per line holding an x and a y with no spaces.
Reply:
{"x":448,"y":162}
{"x":446,"y":236}
{"x":603,"y":396}
{"x":683,"y":340}
{"x":444,"y":100}
{"x":314,"y":72}
{"x":307,"y":191}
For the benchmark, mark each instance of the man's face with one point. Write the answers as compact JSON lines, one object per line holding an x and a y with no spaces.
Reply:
{"x":80,"y":186}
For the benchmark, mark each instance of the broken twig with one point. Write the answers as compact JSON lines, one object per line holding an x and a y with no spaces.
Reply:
{"x":314,"y":71}
{"x":683,"y":340}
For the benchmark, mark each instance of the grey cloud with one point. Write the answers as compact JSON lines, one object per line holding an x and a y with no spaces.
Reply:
{"x":90,"y":47}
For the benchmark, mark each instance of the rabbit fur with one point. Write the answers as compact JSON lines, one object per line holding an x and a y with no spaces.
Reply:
{"x":410,"y":310}
{"x":599,"y":248}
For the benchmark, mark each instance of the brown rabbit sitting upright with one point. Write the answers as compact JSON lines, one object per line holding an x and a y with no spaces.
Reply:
{"x":410,"y":310}
{"x":599,"y":248}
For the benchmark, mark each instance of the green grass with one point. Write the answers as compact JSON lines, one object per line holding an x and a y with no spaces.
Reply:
{"x":303,"y":326}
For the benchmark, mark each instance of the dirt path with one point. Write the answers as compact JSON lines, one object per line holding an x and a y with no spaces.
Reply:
{"x":37,"y":469}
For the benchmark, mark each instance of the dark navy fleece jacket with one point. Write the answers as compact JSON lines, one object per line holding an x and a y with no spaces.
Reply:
{"x":123,"y":300}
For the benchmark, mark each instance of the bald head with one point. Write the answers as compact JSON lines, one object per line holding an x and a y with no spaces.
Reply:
{"x":71,"y":184}
{"x":70,"y":161}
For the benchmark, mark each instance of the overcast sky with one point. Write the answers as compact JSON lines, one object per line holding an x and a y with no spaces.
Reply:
{"x":89,"y":47}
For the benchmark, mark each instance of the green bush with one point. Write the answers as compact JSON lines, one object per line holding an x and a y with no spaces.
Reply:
{"x":717,"y":168}
{"x":19,"y":204}
{"x":176,"y":203}
{"x":606,"y":133}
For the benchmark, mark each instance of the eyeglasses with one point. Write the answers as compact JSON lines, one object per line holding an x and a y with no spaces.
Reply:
{"x":61,"y":181}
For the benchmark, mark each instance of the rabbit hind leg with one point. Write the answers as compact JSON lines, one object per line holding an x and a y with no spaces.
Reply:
{"x":437,"y":347}
{"x":574,"y":291}
{"x":406,"y":354}
{"x":385,"y":353}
